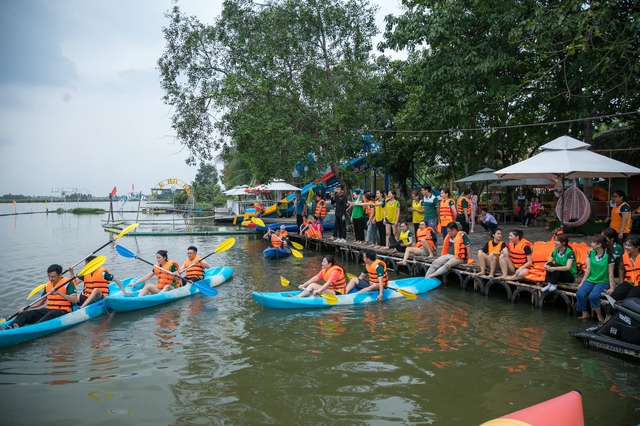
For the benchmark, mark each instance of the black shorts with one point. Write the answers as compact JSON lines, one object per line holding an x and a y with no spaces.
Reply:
{"x":84,"y":298}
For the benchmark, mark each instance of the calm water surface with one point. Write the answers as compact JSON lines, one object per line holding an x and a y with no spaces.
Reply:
{"x":448,"y":358}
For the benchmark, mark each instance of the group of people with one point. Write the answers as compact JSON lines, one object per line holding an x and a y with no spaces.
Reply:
{"x":528,"y":211}
{"x":60,"y":296}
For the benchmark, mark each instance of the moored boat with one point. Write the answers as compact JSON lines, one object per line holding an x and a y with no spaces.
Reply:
{"x":123,"y":303}
{"x":13,"y":336}
{"x":276,"y":253}
{"x":282,"y":300}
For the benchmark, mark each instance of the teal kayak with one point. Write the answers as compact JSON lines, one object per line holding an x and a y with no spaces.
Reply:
{"x":124,"y":303}
{"x":282,"y":300}
{"x":13,"y":336}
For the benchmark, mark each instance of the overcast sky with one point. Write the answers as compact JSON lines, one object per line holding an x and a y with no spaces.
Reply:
{"x":80,"y":99}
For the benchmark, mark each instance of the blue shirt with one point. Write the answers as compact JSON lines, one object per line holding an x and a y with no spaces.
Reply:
{"x":300,"y":204}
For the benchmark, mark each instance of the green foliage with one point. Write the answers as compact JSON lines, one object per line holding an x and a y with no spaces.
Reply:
{"x":206,"y":175}
{"x":86,"y":210}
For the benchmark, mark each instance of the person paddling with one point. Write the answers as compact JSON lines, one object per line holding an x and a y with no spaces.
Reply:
{"x":96,"y":284}
{"x":164,"y":269}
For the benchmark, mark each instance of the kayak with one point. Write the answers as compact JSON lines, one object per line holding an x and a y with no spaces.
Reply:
{"x":563,"y":410}
{"x":276,"y":253}
{"x":123,"y":303}
{"x":281,"y":300}
{"x":9,"y":337}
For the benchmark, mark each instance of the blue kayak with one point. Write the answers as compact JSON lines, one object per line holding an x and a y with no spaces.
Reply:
{"x":123,"y":303}
{"x":290,"y":227}
{"x":276,"y":253}
{"x":12,"y":336}
{"x":281,"y":300}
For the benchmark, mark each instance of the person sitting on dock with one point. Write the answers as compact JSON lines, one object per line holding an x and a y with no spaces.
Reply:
{"x":96,"y":284}
{"x":489,"y":255}
{"x":425,"y":244}
{"x":404,"y":241}
{"x":629,"y":271}
{"x":330,"y":280}
{"x":259,"y":208}
{"x":376,"y":270}
{"x":456,"y":250}
{"x":166,"y":279}
{"x":312,"y":228}
{"x":194,"y":266}
{"x":598,"y":277}
{"x":61,"y":294}
{"x":516,"y":257}
{"x":562,"y":265}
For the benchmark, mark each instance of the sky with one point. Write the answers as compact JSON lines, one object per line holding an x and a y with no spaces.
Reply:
{"x":80,"y":99}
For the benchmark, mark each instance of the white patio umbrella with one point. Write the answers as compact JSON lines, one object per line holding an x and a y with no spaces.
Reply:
{"x":523,"y":182}
{"x":566,"y":157}
{"x":484,"y":175}
{"x":237,"y":190}
{"x":276,"y":185}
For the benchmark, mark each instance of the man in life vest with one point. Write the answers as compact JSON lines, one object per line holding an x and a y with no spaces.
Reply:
{"x":61,"y":295}
{"x":96,"y":285}
{"x":516,"y":257}
{"x":278,"y":238}
{"x":376,"y":270}
{"x":259,"y":208}
{"x":464,"y":210}
{"x":194,"y":266}
{"x":321,"y":212}
{"x":456,"y":250}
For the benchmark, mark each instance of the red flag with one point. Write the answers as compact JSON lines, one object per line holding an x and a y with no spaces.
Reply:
{"x":114,"y":192}
{"x":132,"y":187}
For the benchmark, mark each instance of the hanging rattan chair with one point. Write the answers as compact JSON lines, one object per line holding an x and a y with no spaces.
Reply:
{"x":576,"y":207}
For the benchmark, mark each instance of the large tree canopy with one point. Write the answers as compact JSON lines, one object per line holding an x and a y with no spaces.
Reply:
{"x":277,"y":80}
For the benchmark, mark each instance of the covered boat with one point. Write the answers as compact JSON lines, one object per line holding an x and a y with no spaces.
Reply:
{"x":281,"y":300}
{"x":123,"y":303}
{"x":9,"y":337}
{"x":619,"y":335}
{"x":276,"y":253}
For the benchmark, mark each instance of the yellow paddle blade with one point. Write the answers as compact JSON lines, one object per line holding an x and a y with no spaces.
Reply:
{"x":36,"y":290}
{"x":351,"y":276}
{"x":225,"y":245}
{"x":285,"y":282}
{"x":331,"y":299}
{"x":93,"y":265}
{"x":407,"y":294}
{"x":258,"y":221}
{"x":296,"y":253}
{"x":126,"y":230}
{"x":297,"y":245}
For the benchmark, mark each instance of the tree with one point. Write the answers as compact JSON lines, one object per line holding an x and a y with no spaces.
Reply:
{"x":206,"y":175}
{"x":276,"y":81}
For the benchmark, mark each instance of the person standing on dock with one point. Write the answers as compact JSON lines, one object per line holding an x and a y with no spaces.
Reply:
{"x":321,"y":212}
{"x":456,"y":250}
{"x":447,"y":211}
{"x":194,"y":266}
{"x":300,"y":206}
{"x":431,"y":204}
{"x":464,"y":210}
{"x":340,"y":202}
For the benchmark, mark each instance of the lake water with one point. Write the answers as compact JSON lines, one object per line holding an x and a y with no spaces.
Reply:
{"x":448,"y":358}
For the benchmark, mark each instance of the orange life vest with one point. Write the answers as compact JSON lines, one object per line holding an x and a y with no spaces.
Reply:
{"x":283,"y":234}
{"x":517,"y":255}
{"x":616,"y":219}
{"x":195,"y":272}
{"x":494,"y":248}
{"x":96,"y":280}
{"x":446,"y":214}
{"x":312,"y":232}
{"x":55,"y":301}
{"x":321,"y":209}
{"x":339,"y":286}
{"x":373,"y":274}
{"x":259,"y":208}
{"x":276,"y":242}
{"x":468,"y":209}
{"x":166,"y":278}
{"x":631,"y":269}
{"x":425,"y":233}
{"x":459,"y":249}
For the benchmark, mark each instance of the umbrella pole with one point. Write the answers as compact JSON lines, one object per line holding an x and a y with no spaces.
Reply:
{"x":562,"y":206}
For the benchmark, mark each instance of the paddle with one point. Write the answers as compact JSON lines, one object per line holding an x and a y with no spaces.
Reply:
{"x":121,"y":234}
{"x":295,"y":252}
{"x":405,"y":293}
{"x":204,"y":289}
{"x":331,"y":299}
{"x":88,"y":269}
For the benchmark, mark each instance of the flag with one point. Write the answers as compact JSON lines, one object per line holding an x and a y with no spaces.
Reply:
{"x":310,"y":196}
{"x":132,"y":188}
{"x":114,"y":192}
{"x":14,"y":206}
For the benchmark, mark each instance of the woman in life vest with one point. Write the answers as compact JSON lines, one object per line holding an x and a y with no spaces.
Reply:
{"x":312,"y":228}
{"x":456,"y":250}
{"x":516,"y":257}
{"x":194,"y":266}
{"x":391,"y":216}
{"x":424,"y":243}
{"x":598,"y":277}
{"x":620,"y":219}
{"x":489,"y":255}
{"x":321,"y":212}
{"x":405,"y":239}
{"x":330,"y":280}
{"x":166,"y":271}
{"x":464,"y":210}
{"x":447,"y":211}
{"x":416,"y":209}
{"x":629,"y":270}
{"x":561,"y":266}
{"x":376,"y":270}
{"x":259,"y":208}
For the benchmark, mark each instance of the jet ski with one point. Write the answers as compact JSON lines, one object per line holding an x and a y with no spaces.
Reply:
{"x":620,"y":334}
